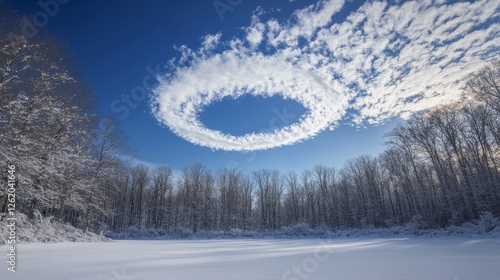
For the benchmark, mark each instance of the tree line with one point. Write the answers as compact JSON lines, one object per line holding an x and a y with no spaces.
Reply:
{"x":440,"y":168}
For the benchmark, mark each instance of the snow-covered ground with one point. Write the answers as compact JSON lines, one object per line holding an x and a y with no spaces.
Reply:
{"x":344,"y":259}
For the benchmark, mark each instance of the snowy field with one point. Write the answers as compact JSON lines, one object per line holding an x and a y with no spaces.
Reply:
{"x":343,"y":259}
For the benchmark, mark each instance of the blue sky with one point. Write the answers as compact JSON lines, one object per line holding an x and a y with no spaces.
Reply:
{"x":270,"y":84}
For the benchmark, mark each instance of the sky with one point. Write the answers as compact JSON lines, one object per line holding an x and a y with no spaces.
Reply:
{"x":268,"y":84}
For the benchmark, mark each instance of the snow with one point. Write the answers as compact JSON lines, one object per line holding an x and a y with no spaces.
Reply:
{"x":486,"y":227}
{"x":45,"y":230}
{"x":269,"y":259}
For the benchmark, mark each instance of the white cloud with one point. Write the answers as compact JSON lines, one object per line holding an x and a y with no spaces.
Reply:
{"x":230,"y":75}
{"x":133,"y":162}
{"x":210,"y":42}
{"x":384,"y":60}
{"x":255,"y":32}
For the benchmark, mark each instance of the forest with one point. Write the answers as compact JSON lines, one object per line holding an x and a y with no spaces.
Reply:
{"x":440,"y":167}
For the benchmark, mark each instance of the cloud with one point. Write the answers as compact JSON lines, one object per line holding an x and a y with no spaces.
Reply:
{"x":381,"y":61}
{"x":134,"y":162}
{"x":229,"y":75}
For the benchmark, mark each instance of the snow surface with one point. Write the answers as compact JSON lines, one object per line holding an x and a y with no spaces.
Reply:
{"x":250,"y":259}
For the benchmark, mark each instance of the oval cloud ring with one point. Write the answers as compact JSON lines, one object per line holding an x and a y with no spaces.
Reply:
{"x":178,"y":101}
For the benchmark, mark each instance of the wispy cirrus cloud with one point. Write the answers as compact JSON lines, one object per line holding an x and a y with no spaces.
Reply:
{"x":382,"y":61}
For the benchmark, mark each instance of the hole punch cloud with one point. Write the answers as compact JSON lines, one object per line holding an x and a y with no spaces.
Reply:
{"x":222,"y":76}
{"x":382,"y":61}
